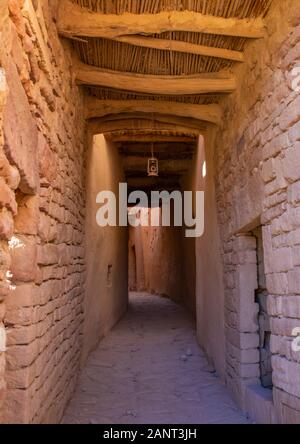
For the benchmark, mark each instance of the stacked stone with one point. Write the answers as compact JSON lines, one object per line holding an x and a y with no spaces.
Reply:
{"x":258,"y":183}
{"x":9,"y":180}
{"x":42,"y":215}
{"x":242,"y":354}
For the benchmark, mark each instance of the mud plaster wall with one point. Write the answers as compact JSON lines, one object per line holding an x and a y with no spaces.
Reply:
{"x":42,"y":200}
{"x":188,"y":272}
{"x":209,"y":277}
{"x":158,"y":263}
{"x":106,"y":249}
{"x":257,"y":156}
{"x":136,"y":268}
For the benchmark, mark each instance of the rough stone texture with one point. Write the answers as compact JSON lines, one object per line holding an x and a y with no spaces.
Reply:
{"x":257,"y":181}
{"x":42,"y":200}
{"x":20,"y":131}
{"x":6,"y":216}
{"x":253,"y":180}
{"x":167,"y":384}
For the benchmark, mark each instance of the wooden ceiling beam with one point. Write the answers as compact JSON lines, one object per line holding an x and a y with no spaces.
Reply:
{"x":180,"y":46}
{"x":170,"y":175}
{"x":132,"y":125}
{"x":160,"y":156}
{"x":74,"y":20}
{"x":133,"y":163}
{"x":158,"y":146}
{"x":149,"y":84}
{"x":163,"y":118}
{"x":158,"y":187}
{"x":100,"y":108}
{"x":151,"y":137}
{"x":182,"y":152}
{"x":155,"y":187}
{"x":149,"y":182}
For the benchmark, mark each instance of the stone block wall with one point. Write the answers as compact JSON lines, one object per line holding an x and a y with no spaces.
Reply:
{"x":257,"y":157}
{"x":42,"y":210}
{"x":42,"y":206}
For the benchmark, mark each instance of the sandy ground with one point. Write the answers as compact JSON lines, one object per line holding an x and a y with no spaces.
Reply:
{"x":150,"y":370}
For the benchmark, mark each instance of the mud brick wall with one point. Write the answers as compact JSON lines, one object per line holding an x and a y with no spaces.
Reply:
{"x":42,"y":201}
{"x":257,"y":157}
{"x":156,"y":260}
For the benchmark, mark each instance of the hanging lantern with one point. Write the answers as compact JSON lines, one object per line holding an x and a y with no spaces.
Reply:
{"x":152,"y":167}
{"x":152,"y":164}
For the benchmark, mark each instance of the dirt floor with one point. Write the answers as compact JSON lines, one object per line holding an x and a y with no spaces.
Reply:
{"x":149,"y":369}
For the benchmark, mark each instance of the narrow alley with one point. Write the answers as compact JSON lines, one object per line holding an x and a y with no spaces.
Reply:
{"x":149,"y":147}
{"x":150,"y":369}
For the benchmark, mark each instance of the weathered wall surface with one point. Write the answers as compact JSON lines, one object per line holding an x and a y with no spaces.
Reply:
{"x":6,"y":215}
{"x":209,"y":278}
{"x":42,"y":212}
{"x":106,"y":249}
{"x":136,"y":265}
{"x":257,"y":155}
{"x":189,"y":182}
{"x":189,"y":272}
{"x":159,"y":261}
{"x":255,"y":163}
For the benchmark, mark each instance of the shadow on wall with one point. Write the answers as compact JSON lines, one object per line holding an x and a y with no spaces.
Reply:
{"x":208,"y":270}
{"x":106,"y":249}
{"x":162,"y":261}
{"x":155,"y":261}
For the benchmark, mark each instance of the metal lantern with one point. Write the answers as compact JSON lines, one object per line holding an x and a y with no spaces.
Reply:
{"x":152,"y":164}
{"x":152,"y":167}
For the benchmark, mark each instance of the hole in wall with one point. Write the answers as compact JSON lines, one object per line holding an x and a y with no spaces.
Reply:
{"x":261,"y":296}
